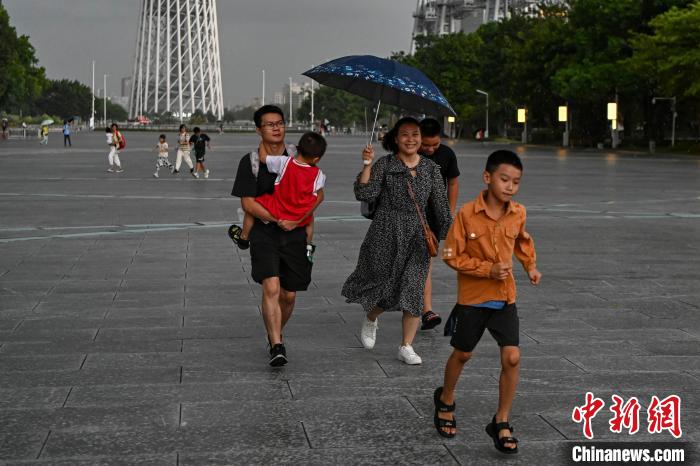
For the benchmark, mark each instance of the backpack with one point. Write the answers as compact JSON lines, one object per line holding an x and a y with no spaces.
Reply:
{"x":122,"y":142}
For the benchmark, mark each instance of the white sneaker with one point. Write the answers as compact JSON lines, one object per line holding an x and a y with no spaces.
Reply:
{"x":407,"y":355}
{"x":194,"y":173}
{"x":155,"y":175}
{"x":206,"y":173}
{"x":110,"y":169}
{"x":368,"y":333}
{"x":120,"y":169}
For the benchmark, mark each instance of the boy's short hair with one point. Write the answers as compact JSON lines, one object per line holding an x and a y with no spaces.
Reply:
{"x":312,"y":145}
{"x":265,"y":109}
{"x":108,"y":129}
{"x":196,"y":129}
{"x":430,"y":127}
{"x":503,"y":156}
{"x":162,"y":136}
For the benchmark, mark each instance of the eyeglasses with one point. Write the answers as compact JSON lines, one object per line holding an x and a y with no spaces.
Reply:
{"x":273,"y":124}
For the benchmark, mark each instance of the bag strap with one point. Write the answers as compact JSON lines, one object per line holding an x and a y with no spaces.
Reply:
{"x":413,"y":197}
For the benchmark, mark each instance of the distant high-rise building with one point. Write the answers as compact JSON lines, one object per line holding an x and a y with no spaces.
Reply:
{"x":177,"y":66}
{"x":126,"y":86}
{"x":440,"y":17}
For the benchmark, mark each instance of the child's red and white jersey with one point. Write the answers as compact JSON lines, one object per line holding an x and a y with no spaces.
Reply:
{"x":296,"y":188}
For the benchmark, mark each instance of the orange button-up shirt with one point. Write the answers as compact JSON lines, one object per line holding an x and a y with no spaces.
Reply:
{"x":475,"y":242}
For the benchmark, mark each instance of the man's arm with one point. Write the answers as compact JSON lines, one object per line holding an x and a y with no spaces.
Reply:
{"x":254,"y":208}
{"x":452,"y":193}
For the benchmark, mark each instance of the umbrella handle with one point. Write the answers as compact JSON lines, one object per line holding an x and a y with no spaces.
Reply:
{"x":374,"y":125}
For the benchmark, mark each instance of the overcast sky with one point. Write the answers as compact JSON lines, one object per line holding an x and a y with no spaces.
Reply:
{"x":284,"y":37}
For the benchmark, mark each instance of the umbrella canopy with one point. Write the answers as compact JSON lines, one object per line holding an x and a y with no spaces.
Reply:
{"x":47,"y":122}
{"x":382,"y":80}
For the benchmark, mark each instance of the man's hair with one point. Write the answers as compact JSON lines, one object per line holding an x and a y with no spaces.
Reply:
{"x":196,"y":129}
{"x":503,"y":156}
{"x":312,"y":145}
{"x":430,"y":127}
{"x":108,"y":129}
{"x":265,"y":109}
{"x":162,"y":136}
{"x":389,"y":142}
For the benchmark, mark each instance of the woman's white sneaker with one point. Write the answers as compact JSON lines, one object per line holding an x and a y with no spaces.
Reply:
{"x":407,"y":355}
{"x":368,"y":334}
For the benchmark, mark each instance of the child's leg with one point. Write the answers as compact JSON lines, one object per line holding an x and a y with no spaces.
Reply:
{"x":453,"y":369}
{"x":508,"y":382}
{"x":309,"y":228}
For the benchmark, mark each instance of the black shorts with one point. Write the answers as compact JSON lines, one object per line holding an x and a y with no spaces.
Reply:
{"x":199,"y":157}
{"x":278,"y":253}
{"x":503,"y":325}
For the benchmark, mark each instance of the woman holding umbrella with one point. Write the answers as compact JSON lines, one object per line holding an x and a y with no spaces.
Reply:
{"x":394,"y":260}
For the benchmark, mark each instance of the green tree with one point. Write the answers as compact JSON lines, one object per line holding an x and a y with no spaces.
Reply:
{"x":341,"y":108}
{"x":67,"y":99}
{"x":21,"y":79}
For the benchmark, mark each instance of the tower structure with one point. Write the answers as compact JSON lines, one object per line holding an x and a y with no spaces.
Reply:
{"x":177,"y":65}
{"x":440,"y":17}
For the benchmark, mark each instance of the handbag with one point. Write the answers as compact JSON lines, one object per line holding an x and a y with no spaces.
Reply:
{"x":431,"y":241}
{"x":367,"y":209}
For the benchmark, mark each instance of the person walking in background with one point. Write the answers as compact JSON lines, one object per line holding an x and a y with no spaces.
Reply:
{"x":183,"y":151}
{"x":66,"y":134}
{"x":200,"y":142}
{"x":431,"y":147}
{"x":44,"y":135}
{"x":118,"y":143}
{"x":393,"y":264}
{"x":4,"y":128}
{"x":162,"y":161}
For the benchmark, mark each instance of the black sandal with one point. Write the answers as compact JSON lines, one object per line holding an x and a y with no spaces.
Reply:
{"x":493,"y":428}
{"x":234,"y":232}
{"x":440,"y":423}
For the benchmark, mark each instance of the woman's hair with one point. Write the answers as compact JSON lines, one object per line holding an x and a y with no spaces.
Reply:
{"x":114,"y":125}
{"x":389,"y":142}
{"x":182,"y":127}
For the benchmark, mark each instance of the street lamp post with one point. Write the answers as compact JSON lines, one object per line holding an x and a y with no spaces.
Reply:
{"x":290,"y":102}
{"x":104,"y":97}
{"x":313,"y":120}
{"x":486,"y":133}
{"x":675,"y":114}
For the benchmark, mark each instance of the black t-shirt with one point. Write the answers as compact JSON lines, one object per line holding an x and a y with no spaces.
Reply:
{"x":246,"y":185}
{"x":447,"y":160}
{"x":200,"y":143}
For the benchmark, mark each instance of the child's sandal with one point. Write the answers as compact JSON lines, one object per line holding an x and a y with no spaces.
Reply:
{"x":493,"y":428}
{"x":441,"y":424}
{"x":234,"y":232}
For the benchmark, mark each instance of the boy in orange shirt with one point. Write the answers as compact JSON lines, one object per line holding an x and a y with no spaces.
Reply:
{"x":480,"y":246}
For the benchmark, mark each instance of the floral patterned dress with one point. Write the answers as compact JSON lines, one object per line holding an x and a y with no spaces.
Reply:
{"x":393,"y":263}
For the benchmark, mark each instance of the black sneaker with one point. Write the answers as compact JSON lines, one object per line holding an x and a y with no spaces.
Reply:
{"x":430,"y":320}
{"x":278,"y":355}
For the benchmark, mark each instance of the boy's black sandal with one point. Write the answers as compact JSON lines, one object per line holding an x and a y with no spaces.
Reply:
{"x":441,"y":424}
{"x":234,"y":232}
{"x":493,"y":428}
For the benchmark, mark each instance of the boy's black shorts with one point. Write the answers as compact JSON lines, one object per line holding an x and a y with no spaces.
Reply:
{"x":278,"y":253}
{"x":199,"y":157}
{"x":503,"y":325}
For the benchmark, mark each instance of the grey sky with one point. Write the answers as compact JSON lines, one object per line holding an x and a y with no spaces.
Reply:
{"x":285,"y":37}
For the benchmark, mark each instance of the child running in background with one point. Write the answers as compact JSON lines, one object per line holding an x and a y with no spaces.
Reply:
{"x":162,"y":161}
{"x":110,"y":142}
{"x":200,"y":142}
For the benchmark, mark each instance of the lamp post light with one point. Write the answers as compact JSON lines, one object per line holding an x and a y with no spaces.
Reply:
{"x":451,"y":121}
{"x":612,"y":116}
{"x":564,"y":118}
{"x":675,"y":114}
{"x":486,"y":132}
{"x":522,"y":118}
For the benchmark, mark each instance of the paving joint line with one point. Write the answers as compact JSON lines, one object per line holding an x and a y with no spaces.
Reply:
{"x":179,"y":420}
{"x":303,"y":427}
{"x":44,"y":444}
{"x":181,"y":375}
{"x":414,"y":407}
{"x":289,"y":387}
{"x":575,"y":365}
{"x":451,"y":454}
{"x":67,"y":396}
{"x":552,"y":426}
{"x":83,"y":363}
{"x":380,"y":366}
{"x":94,"y":338}
{"x":19,"y":324}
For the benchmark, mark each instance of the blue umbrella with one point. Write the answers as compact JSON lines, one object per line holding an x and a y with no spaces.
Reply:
{"x":381,"y":80}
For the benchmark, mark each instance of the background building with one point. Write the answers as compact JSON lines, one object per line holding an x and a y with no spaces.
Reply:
{"x":440,"y":17}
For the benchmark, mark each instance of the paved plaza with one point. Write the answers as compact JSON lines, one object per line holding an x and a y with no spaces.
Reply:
{"x":130,"y":329}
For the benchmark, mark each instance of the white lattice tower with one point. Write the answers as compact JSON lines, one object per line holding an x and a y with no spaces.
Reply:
{"x":177,"y":67}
